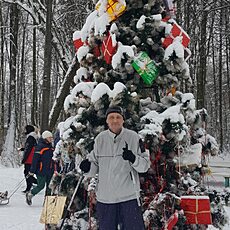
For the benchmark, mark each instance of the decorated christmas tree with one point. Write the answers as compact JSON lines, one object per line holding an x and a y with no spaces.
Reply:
{"x":134,"y":54}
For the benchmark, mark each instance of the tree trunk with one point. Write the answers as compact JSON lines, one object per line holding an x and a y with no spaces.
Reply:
{"x":64,"y":91}
{"x":220,"y":81}
{"x":21,"y":96}
{"x":14,"y":20}
{"x":202,"y":63}
{"x":47,"y":69}
{"x":215,"y":114}
{"x":227,"y":42}
{"x":34,"y":107}
{"x":2,"y":80}
{"x":8,"y":155}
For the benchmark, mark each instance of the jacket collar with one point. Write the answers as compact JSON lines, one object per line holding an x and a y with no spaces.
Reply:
{"x":33,"y":134}
{"x":114,"y":135}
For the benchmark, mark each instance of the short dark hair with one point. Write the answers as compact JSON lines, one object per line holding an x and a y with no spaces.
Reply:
{"x":29,"y":129}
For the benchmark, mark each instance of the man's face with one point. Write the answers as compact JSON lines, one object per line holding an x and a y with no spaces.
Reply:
{"x":115,"y":122}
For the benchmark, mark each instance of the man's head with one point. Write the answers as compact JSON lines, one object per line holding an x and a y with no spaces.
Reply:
{"x":29,"y":129}
{"x":115,"y":118}
{"x":47,"y":135}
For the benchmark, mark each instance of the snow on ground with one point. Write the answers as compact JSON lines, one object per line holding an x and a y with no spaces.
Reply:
{"x":220,"y":166}
{"x":17,"y":215}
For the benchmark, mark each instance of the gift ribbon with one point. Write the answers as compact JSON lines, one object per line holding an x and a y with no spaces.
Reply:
{"x":116,"y":12}
{"x":106,"y":51}
{"x":197,"y":212}
{"x":144,"y":69}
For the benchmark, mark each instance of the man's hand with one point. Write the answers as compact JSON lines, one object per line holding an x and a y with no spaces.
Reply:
{"x":128,"y":154}
{"x":85,"y":165}
{"x":30,"y":174}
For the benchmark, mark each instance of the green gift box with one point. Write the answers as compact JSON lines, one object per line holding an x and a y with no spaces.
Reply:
{"x":145,"y":67}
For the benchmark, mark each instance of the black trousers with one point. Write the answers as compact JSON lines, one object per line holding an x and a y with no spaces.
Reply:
{"x":30,"y":180}
{"x":126,"y":214}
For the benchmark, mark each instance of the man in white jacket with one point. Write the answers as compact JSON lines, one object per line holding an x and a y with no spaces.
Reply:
{"x":117,"y":157}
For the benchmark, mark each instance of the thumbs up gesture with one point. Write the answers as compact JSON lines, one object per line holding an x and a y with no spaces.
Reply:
{"x":128,"y":154}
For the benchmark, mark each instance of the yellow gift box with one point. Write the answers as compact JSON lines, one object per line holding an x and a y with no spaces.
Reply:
{"x":114,"y":9}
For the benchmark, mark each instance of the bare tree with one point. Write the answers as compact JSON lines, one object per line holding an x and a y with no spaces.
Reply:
{"x":202,"y":63}
{"x":2,"y":78}
{"x":34,"y":107}
{"x":8,"y":157}
{"x":47,"y":69}
{"x":220,"y":80}
{"x":21,"y":101}
{"x":64,"y":91}
{"x":200,"y":19}
{"x":227,"y":51}
{"x":14,"y":19}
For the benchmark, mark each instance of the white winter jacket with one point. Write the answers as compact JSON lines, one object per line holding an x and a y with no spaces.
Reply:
{"x":115,"y":182}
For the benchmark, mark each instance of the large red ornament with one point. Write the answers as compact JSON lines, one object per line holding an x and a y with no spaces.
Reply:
{"x":108,"y":48}
{"x":196,"y":209}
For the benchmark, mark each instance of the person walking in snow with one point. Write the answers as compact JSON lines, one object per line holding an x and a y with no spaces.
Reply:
{"x":42,"y":165}
{"x":117,"y":157}
{"x":31,"y":142}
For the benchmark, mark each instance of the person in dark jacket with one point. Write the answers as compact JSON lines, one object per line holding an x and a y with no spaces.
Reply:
{"x":42,"y":165}
{"x":31,"y":142}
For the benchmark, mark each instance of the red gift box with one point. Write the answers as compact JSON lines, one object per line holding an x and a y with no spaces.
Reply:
{"x":108,"y":48}
{"x":171,"y":221}
{"x":78,"y":43}
{"x":196,"y":209}
{"x":97,"y":51}
{"x":77,"y":40}
{"x":176,"y":31}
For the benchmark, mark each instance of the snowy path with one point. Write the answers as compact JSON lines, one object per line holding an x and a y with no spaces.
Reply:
{"x":17,"y":215}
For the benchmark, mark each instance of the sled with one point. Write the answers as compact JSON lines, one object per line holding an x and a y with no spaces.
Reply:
{"x":4,"y":200}
{"x":53,"y":209}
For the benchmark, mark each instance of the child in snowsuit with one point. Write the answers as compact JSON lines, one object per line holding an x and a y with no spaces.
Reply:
{"x":42,"y":165}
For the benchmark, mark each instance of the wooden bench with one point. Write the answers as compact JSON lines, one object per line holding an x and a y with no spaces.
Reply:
{"x":226,"y":178}
{"x":226,"y":167}
{"x":226,"y":181}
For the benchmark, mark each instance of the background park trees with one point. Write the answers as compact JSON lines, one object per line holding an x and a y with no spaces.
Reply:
{"x":25,"y":98}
